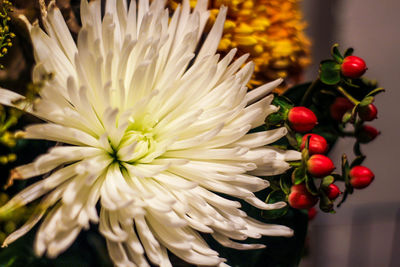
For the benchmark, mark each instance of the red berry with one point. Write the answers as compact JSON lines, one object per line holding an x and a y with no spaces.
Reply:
{"x":339,"y":107}
{"x":361,"y":177}
{"x":353,"y":67}
{"x":316,"y":145}
{"x":312,"y":213}
{"x":300,"y":198}
{"x":333,"y":191}
{"x":320,"y":165}
{"x":368,"y":113}
{"x":367,"y":133}
{"x":302,"y":119}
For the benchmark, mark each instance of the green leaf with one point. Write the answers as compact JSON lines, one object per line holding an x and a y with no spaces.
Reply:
{"x":291,"y":136}
{"x":273,"y":197}
{"x":299,"y":138}
{"x":349,"y":51}
{"x":305,"y":156}
{"x":329,"y":72}
{"x":274,"y":119}
{"x":325,"y":204}
{"x":345,"y":173}
{"x":337,"y":177}
{"x":311,"y":187}
{"x":326,"y":181}
{"x":357,"y":161}
{"x":336,"y":54}
{"x":299,"y":175}
{"x":282,"y":101}
{"x":346,"y":117}
{"x":285,"y":183}
{"x":307,"y":144}
{"x":278,"y":118}
{"x":376,"y":91}
{"x":366,"y":101}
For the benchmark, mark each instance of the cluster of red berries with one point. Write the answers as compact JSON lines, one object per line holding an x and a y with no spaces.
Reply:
{"x":299,"y":185}
{"x":302,"y":119}
{"x":366,"y":133}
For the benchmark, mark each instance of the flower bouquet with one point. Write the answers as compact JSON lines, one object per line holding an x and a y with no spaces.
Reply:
{"x":162,"y":133}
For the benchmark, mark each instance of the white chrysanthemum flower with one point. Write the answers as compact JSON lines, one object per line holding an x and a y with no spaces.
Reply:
{"x":154,"y":133}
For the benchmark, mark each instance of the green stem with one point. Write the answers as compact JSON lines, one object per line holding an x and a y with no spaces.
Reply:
{"x":357,"y":149}
{"x":345,"y":194}
{"x":344,"y":133}
{"x":295,"y":163}
{"x":347,"y":95}
{"x":309,"y":91}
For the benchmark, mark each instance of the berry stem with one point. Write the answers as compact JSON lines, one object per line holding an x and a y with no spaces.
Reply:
{"x":357,"y":149}
{"x":309,"y":91}
{"x":345,"y":194}
{"x":344,"y":133}
{"x":347,"y":95}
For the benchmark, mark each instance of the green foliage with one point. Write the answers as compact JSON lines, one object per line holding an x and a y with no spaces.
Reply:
{"x":336,"y":54}
{"x":273,"y":197}
{"x":329,"y":72}
{"x":325,"y":204}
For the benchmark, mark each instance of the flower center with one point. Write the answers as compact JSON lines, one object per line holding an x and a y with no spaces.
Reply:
{"x":137,"y":142}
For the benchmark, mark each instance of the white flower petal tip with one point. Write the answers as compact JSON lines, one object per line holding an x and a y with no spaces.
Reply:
{"x":262,"y":91}
{"x":278,"y":205}
{"x":153,"y":136}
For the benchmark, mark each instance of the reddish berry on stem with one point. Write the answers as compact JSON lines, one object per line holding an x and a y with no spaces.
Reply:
{"x":302,"y":119}
{"x":367,"y":133}
{"x":333,"y":191}
{"x":316,"y":145}
{"x":312,"y":213}
{"x":368,"y":113}
{"x":339,"y":107}
{"x":353,"y":67}
{"x":320,"y":166}
{"x":300,"y":198}
{"x":361,"y":177}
